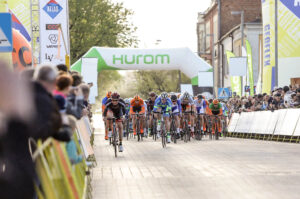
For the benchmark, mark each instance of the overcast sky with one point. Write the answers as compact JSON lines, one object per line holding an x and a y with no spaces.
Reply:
{"x":171,"y":21}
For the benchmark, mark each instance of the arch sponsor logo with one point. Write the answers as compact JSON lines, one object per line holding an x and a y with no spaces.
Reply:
{"x":141,"y":59}
{"x":52,"y":8}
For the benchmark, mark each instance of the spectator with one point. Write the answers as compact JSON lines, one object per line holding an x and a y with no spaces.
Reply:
{"x":48,"y":121}
{"x":77,"y":80}
{"x":277,"y":102}
{"x":62,"y":67}
{"x":63,"y":85}
{"x":287,"y":96}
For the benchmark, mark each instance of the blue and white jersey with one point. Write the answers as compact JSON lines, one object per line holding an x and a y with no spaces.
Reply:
{"x":164,"y":106}
{"x":176,"y":107}
{"x":200,"y":106}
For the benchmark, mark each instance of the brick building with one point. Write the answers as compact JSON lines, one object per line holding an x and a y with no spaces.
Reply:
{"x":215,"y":23}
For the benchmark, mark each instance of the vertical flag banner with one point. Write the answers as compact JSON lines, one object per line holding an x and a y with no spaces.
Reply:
{"x":268,"y":12}
{"x":53,"y":30}
{"x":250,"y":67}
{"x":21,"y":32}
{"x":288,"y":41}
{"x":235,"y":80}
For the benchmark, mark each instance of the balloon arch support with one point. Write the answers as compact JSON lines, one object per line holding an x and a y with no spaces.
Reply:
{"x":182,"y":59}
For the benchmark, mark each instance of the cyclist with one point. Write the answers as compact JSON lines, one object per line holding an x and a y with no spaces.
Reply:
{"x":163,"y":104}
{"x":115,"y":107}
{"x":127,"y":108}
{"x":215,"y":108}
{"x":137,"y":106}
{"x":150,"y":106}
{"x":176,"y":110}
{"x":200,"y":105}
{"x":104,"y":100}
{"x":187,"y":105}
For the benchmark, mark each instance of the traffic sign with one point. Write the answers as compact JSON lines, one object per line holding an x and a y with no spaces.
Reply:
{"x":6,"y":43}
{"x":223,"y":93}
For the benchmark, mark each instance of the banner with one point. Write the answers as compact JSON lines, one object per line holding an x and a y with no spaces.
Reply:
{"x":182,"y":59}
{"x":288,"y":41}
{"x":235,"y":80}
{"x":268,"y":12}
{"x":53,"y":14}
{"x":250,"y":67}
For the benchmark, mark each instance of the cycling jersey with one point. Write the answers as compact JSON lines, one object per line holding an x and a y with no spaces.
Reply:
{"x":118,"y":110}
{"x":140,"y":107}
{"x":224,"y":109}
{"x":104,"y":100}
{"x":176,"y":107}
{"x":127,"y":107}
{"x":200,"y":106}
{"x":164,"y":106}
{"x":216,"y":110}
{"x":150,"y":104}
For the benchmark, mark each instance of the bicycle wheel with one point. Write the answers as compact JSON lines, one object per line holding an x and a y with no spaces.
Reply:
{"x":127,"y":128}
{"x":216,"y":131}
{"x":154,"y":129}
{"x":186,"y":129}
{"x":115,"y":140}
{"x":163,"y":136}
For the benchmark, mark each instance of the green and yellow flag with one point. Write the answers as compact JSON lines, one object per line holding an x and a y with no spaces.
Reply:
{"x":235,"y":80}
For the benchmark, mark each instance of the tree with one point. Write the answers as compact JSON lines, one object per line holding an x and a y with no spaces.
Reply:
{"x":99,"y":23}
{"x":159,"y":81}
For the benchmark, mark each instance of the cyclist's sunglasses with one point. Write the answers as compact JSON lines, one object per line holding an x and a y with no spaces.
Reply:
{"x":114,"y":100}
{"x":173,"y":100}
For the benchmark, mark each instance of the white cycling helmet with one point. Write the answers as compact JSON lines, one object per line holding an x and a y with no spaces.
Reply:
{"x":186,"y":95}
{"x":127,"y":101}
{"x":164,"y":95}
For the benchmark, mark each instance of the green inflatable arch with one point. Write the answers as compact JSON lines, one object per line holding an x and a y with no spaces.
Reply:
{"x":147,"y":59}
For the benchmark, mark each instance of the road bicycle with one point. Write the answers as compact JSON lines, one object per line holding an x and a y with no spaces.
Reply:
{"x":114,"y":139}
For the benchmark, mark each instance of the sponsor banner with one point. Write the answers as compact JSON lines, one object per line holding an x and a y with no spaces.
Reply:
{"x":288,"y":41}
{"x":250,"y":67}
{"x":268,"y":12}
{"x":21,"y":18}
{"x":235,"y":80}
{"x":147,"y":59}
{"x":53,"y":14}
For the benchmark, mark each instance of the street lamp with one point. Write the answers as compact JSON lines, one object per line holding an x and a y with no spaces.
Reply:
{"x":242,"y":37}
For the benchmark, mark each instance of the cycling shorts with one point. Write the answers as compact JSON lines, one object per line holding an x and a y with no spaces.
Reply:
{"x":136,"y":109}
{"x":217,"y":112}
{"x":185,"y":107}
{"x":200,"y":110}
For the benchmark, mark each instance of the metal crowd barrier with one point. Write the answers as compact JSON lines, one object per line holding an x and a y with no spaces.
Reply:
{"x":57,"y":177}
{"x":279,"y":125}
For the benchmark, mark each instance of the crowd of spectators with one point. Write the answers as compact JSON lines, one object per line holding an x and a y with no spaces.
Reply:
{"x":36,"y":103}
{"x":280,"y":98}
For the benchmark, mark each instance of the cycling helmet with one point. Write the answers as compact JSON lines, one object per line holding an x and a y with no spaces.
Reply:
{"x":215,"y":102}
{"x":173,"y":97}
{"x":127,"y":101}
{"x":186,"y":95}
{"x":115,"y":95}
{"x":152,"y":94}
{"x":164,"y":95}
{"x":199,"y":97}
{"x":137,"y":98}
{"x":108,"y":95}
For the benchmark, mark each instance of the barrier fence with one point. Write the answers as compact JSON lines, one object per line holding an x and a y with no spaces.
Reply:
{"x":58,"y":178}
{"x":278,"y":125}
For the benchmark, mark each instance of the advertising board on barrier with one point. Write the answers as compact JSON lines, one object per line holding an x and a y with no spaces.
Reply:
{"x":54,"y":14}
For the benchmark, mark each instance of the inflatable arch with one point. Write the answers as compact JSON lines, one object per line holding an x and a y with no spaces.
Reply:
{"x":147,"y":59}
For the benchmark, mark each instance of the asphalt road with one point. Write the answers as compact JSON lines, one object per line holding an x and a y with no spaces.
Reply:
{"x":228,"y":168}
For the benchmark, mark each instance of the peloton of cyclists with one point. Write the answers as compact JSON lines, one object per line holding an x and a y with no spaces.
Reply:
{"x":159,"y":107}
